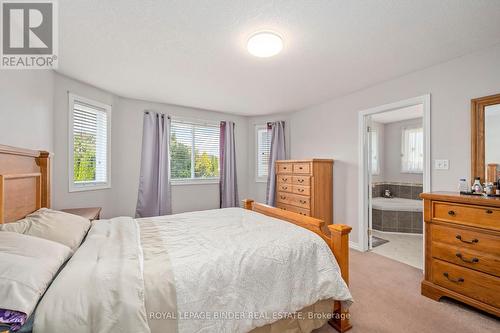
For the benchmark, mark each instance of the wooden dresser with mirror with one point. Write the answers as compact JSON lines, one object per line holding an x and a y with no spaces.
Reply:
{"x":462,"y":231}
{"x":306,"y":187}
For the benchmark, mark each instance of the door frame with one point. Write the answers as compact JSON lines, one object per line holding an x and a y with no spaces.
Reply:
{"x":363,"y":174}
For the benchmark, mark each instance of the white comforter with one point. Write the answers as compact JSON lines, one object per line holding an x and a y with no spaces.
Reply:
{"x":227,"y":270}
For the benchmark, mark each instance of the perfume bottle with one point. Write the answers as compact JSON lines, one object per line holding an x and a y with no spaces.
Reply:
{"x":477,"y":187}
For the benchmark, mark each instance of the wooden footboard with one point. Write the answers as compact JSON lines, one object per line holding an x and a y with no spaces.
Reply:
{"x":337,"y":240}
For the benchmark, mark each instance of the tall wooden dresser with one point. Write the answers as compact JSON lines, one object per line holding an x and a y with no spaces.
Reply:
{"x":306,"y":187}
{"x":462,"y":249}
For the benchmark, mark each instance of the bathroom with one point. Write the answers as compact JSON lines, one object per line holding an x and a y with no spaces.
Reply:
{"x":397,"y":167}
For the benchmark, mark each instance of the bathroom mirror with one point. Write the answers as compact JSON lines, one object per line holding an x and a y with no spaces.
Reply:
{"x":485,"y":135}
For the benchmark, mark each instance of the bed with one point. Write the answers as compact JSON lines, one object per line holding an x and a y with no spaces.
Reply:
{"x":252,"y":269}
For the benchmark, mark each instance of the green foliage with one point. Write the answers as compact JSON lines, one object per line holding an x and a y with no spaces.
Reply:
{"x":180,"y":159}
{"x":84,"y":155}
{"x":205,"y":165}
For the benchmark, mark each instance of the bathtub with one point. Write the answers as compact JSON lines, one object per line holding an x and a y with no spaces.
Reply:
{"x":397,"y":204}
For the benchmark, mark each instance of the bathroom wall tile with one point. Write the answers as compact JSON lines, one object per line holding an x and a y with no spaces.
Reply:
{"x":389,"y":220}
{"x":416,"y":190}
{"x":405,"y":191}
{"x":417,"y":222}
{"x":377,"y":219}
{"x":405,"y":220}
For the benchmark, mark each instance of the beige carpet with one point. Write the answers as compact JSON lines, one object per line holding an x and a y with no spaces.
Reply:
{"x":387,"y":299}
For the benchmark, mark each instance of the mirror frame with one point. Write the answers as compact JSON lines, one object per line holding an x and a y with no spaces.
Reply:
{"x":478,"y":105}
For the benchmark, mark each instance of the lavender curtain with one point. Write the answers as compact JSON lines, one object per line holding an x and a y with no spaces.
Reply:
{"x":154,"y":197}
{"x":277,"y":153}
{"x":227,"y":184}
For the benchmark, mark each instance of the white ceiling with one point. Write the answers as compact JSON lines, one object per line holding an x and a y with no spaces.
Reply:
{"x":409,"y":112}
{"x":193,"y":53}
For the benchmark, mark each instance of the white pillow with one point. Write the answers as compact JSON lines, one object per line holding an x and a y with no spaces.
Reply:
{"x":27,"y":267}
{"x":60,"y":227}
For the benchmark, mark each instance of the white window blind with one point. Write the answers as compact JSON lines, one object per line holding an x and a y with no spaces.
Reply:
{"x":194,"y":151}
{"x":89,"y":144}
{"x":375,"y":165}
{"x":412,"y":155}
{"x":263,"y":152}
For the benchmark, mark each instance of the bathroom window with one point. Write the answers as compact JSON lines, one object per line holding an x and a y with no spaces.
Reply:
{"x":412,"y":154}
{"x":375,"y":153}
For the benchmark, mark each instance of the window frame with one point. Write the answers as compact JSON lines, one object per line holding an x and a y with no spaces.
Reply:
{"x":259,"y":179}
{"x":193,"y":181}
{"x":403,"y":144}
{"x":91,"y":186}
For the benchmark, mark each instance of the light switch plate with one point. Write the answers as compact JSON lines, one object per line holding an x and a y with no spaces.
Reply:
{"x":441,"y":164}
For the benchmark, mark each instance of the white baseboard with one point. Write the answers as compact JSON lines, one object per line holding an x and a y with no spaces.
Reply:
{"x":354,"y":246}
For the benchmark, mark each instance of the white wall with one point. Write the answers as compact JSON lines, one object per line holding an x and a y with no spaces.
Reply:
{"x":26,"y":108}
{"x":392,"y":157}
{"x":126,"y":140}
{"x":329,"y":130}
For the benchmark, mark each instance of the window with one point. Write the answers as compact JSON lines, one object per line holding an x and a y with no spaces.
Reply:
{"x":375,"y":153}
{"x":89,"y":144}
{"x":194,"y":151}
{"x":263,"y":147}
{"x":412,"y":154}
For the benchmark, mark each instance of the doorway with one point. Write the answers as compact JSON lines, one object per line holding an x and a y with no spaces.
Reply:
{"x":395,"y":169}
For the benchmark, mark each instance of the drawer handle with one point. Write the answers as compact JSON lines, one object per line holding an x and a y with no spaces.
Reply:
{"x":451,"y":213}
{"x":300,"y":190}
{"x":459,"y":280}
{"x":284,"y":168}
{"x":285,"y":187}
{"x":282,"y":197}
{"x":471,"y":261}
{"x":475,"y":240}
{"x":300,"y":168}
{"x":284,"y":179}
{"x":302,"y":201}
{"x":300,"y":180}
{"x":489,"y":211}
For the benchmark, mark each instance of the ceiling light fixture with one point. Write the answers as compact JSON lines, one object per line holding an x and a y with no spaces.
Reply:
{"x":264,"y":44}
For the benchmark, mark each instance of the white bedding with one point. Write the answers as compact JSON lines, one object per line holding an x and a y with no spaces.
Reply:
{"x":195,"y":266}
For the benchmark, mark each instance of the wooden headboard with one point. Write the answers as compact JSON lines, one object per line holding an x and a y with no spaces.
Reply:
{"x":24,"y":182}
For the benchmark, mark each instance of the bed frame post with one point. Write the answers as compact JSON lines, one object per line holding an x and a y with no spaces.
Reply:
{"x":339,"y":243}
{"x":247,"y":204}
{"x":43,"y":161}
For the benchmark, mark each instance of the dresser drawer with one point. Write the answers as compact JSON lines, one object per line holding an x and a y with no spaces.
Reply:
{"x":468,"y":239}
{"x":294,"y":209}
{"x":478,"y":216}
{"x":284,"y":179}
{"x":480,"y":261}
{"x":302,"y":168}
{"x":284,"y":167}
{"x":301,"y":180}
{"x":477,"y":285}
{"x":303,"y":190}
{"x":283,"y":197}
{"x":284,"y":187}
{"x":300,"y":201}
